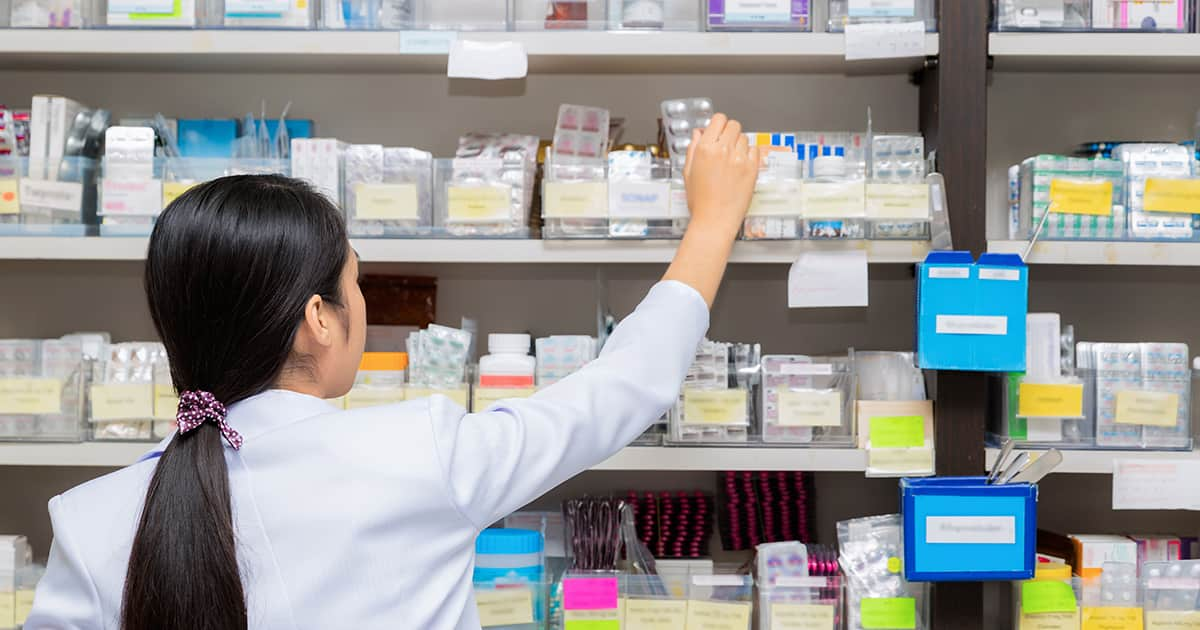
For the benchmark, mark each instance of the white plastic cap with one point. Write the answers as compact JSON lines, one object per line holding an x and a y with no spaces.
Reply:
{"x":508,"y":344}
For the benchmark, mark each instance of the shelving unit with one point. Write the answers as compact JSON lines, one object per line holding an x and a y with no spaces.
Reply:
{"x":1095,"y":52}
{"x":1103,"y":253}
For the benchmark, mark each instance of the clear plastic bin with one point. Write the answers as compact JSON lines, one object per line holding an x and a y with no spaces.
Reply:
{"x":554,"y":15}
{"x":459,"y":395}
{"x":801,"y":602}
{"x":777,"y":206}
{"x":388,"y":191}
{"x":45,"y":13}
{"x":1164,"y":16}
{"x":647,"y":208}
{"x":724,"y":599}
{"x":834,"y":209}
{"x":47,"y":200}
{"x":651,"y":599}
{"x":1160,"y":188}
{"x":808,"y":400}
{"x":41,"y":390}
{"x":152,"y":13}
{"x":1057,"y":184}
{"x":1043,"y":15}
{"x":660,"y":15}
{"x":712,"y":416}
{"x":843,"y":12}
{"x":463,"y":15}
{"x":575,"y":202}
{"x":121,"y":395}
{"x":751,"y":15}
{"x":277,"y":14}
{"x":483,"y":197}
{"x":129,"y":207}
{"x":515,"y":605}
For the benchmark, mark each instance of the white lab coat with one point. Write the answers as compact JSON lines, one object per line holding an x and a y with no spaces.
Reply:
{"x":367,"y":519}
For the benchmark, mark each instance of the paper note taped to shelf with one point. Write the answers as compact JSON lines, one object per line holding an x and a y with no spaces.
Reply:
{"x":1148,"y":484}
{"x":491,"y":61}
{"x":1172,"y":195}
{"x":30,"y":396}
{"x":386,"y":202}
{"x":972,"y":530}
{"x":10,"y":201}
{"x":810,"y":408}
{"x":41,"y":193}
{"x":459,"y":396}
{"x":487,"y":396}
{"x":823,"y":279}
{"x":478,"y":204}
{"x":1077,"y":197}
{"x":172,"y":190}
{"x":1047,"y":596}
{"x":654,"y":614}
{"x":427,"y":42}
{"x":122,"y":401}
{"x":802,"y":617}
{"x":971,"y":325}
{"x":718,"y":615}
{"x":1046,"y":400}
{"x":888,"y":613}
{"x":360,"y":397}
{"x":575,"y":200}
{"x":898,"y":201}
{"x":714,"y":406}
{"x":504,"y":606}
{"x":1156,"y":409}
{"x":1111,"y":618}
{"x":1172,"y":620}
{"x":885,"y":40}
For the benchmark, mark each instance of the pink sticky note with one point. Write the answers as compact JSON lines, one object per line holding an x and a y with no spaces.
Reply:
{"x":589,"y":593}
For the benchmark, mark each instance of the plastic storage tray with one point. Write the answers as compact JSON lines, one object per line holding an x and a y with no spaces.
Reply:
{"x":41,"y":390}
{"x":556,"y":15}
{"x":808,"y":400}
{"x":843,"y":12}
{"x":742,"y":15}
{"x":56,"y":199}
{"x":482,"y":197}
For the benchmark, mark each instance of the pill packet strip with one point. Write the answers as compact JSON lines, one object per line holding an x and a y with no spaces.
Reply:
{"x":1118,"y":368}
{"x":127,"y":363}
{"x":1118,"y":586}
{"x":19,"y":359}
{"x":63,"y":359}
{"x":869,"y":549}
{"x":1165,"y":369}
{"x":559,"y":356}
{"x":438,"y":356}
{"x":1172,"y":585}
{"x":679,"y":118}
{"x":1143,"y":162}
{"x":775,"y":380}
{"x":581,"y":135}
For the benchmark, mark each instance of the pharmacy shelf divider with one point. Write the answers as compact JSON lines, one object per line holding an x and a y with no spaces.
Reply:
{"x":1103,"y":253}
{"x":426,"y":51}
{"x":1095,"y":52}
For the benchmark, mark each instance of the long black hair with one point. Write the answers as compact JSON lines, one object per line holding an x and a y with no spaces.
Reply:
{"x":231,"y":266}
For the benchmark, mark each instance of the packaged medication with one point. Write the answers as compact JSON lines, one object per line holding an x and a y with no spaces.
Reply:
{"x":47,"y":14}
{"x":121,"y":396}
{"x":151,"y":13}
{"x":1049,"y":15}
{"x":654,"y":14}
{"x":756,"y":15}
{"x":1153,"y":163}
{"x":640,"y":197}
{"x":775,"y":211}
{"x":559,"y":14}
{"x":508,"y":363}
{"x":680,"y":117}
{"x":834,"y":201}
{"x":843,"y":12}
{"x":1140,"y":15}
{"x":715,"y":404}
{"x":1172,"y":591}
{"x":575,"y":191}
{"x":41,"y":389}
{"x":265,"y":13}
{"x":877,"y":595}
{"x":319,"y":161}
{"x":463,"y":15}
{"x":1049,"y":182}
{"x":560,"y":356}
{"x":388,"y":191}
{"x":807,"y":400}
{"x":487,"y":190}
{"x":1141,"y":393}
{"x":438,"y":357}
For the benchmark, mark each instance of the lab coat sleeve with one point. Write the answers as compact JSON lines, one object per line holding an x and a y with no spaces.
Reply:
{"x":499,"y":460}
{"x":66,"y":597}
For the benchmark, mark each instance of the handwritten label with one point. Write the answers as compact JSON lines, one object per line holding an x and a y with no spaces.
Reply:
{"x":10,"y":201}
{"x":1042,"y":400}
{"x":1050,"y":621}
{"x":386,"y":202}
{"x":1047,"y":596}
{"x":885,"y":40}
{"x":714,"y":406}
{"x":810,"y":408}
{"x":504,"y":606}
{"x":479,"y":204}
{"x":900,"y":461}
{"x":41,"y":193}
{"x":1073,"y":197}
{"x":779,"y":198}
{"x":487,"y":396}
{"x":575,"y":200}
{"x":802,"y":617}
{"x":589,"y":593}
{"x":1112,"y":618}
{"x":458,"y":396}
{"x":172,"y":190}
{"x":1156,"y":409}
{"x":706,"y":615}
{"x":122,"y":401}
{"x":896,"y":432}
{"x":1155,"y":485}
{"x":655,"y":614}
{"x":1172,"y":195}
{"x":30,"y":396}
{"x":888,"y":613}
{"x":639,"y":200}
{"x":360,"y":396}
{"x":973,"y":530}
{"x":131,"y":197}
{"x":898,"y":201}
{"x":166,"y":402}
{"x":1172,"y":620}
{"x":840,"y":200}
{"x":971,"y":325}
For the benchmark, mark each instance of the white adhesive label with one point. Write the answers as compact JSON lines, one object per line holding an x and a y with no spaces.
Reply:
{"x":972,"y":325}
{"x":142,"y":197}
{"x":238,"y":8}
{"x":949,"y":273}
{"x":757,"y":10}
{"x":975,"y":530}
{"x":41,"y":193}
{"x":718,"y":580}
{"x":639,"y":200}
{"x":1010,"y":275}
{"x":806,"y":369}
{"x":882,"y":8}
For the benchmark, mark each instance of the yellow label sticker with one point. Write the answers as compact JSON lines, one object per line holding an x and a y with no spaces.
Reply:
{"x":32,"y":396}
{"x":166,"y":402}
{"x":706,"y":615}
{"x":655,"y":614}
{"x":1049,"y":621}
{"x":172,"y":190}
{"x":888,"y":613}
{"x":457,"y":395}
{"x":365,"y":396}
{"x":894,"y":564}
{"x":487,"y":396}
{"x":1075,"y":197}
{"x":1172,"y":195}
{"x":24,"y":605}
{"x":8,"y":609}
{"x":1047,"y":596}
{"x":840,"y":200}
{"x":386,"y":202}
{"x":1156,"y":409}
{"x":1040,"y":400}
{"x":575,"y":200}
{"x":479,"y":204}
{"x":504,"y":606}
{"x":122,"y":401}
{"x":10,"y":201}
{"x":1112,"y":618}
{"x":714,"y":406}
{"x":802,"y":617}
{"x":782,"y":198}
{"x":810,"y":408}
{"x":1172,"y":620}
{"x":898,"y":201}
{"x":906,"y":461}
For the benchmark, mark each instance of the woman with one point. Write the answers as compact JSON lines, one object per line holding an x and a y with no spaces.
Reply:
{"x":284,"y":513}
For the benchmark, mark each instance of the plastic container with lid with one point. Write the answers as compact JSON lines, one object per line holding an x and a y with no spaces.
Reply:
{"x":509,"y":555}
{"x":508,"y":363}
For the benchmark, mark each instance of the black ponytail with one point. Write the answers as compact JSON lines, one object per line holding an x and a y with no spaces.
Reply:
{"x":231,"y":265}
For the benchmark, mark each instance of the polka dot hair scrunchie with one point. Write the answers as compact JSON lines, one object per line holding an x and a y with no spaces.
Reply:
{"x":196,"y":408}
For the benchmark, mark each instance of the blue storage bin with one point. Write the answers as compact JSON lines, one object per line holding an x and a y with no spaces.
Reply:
{"x":971,"y":315}
{"x":962,"y":529}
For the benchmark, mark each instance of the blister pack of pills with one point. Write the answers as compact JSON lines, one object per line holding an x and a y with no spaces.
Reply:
{"x":559,"y":356}
{"x":1173,"y":585}
{"x":438,"y":356}
{"x":129,"y":415}
{"x":1144,"y":162}
{"x":680,"y":117}
{"x":580,"y":135}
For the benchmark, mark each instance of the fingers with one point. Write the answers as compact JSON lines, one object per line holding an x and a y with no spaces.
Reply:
{"x":691,"y":153}
{"x":716,"y":126}
{"x":741,"y":146}
{"x":732,"y":131}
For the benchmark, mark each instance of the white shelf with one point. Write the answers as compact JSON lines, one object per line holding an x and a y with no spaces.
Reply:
{"x":482,"y":251}
{"x":368,"y":51}
{"x":115,"y":454}
{"x":1101,"y":462}
{"x":1104,"y":253}
{"x":1099,"y":52}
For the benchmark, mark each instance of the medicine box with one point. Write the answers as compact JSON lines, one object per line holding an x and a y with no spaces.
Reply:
{"x":1091,"y":552}
{"x":971,"y":315}
{"x":962,"y":529}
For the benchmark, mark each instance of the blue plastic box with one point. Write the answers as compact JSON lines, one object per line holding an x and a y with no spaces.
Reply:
{"x":971,"y":315}
{"x":959,"y":529}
